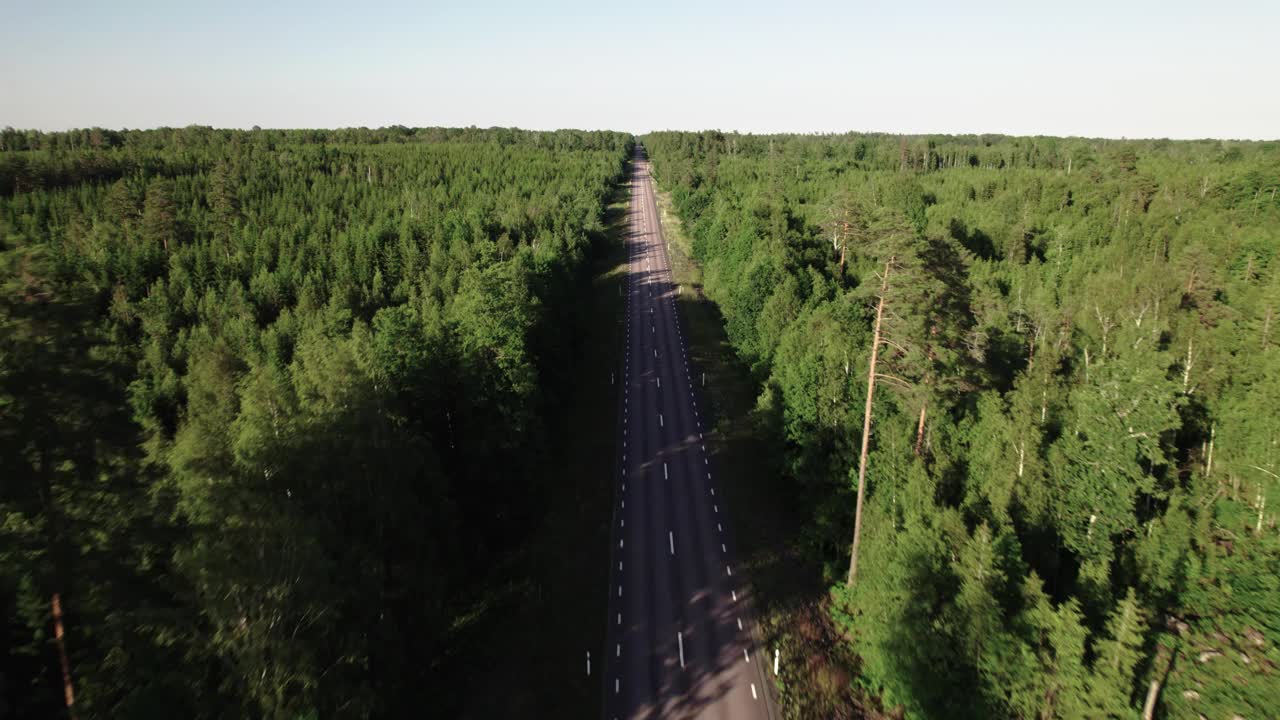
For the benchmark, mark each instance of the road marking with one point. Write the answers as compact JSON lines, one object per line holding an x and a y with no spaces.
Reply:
{"x":619,"y":591}
{"x":727,"y":569}
{"x":660,"y":421}
{"x":623,"y":522}
{"x":619,"y":618}
{"x":619,"y":652}
{"x":718,"y":528}
{"x":716,"y":508}
{"x":616,"y":686}
{"x":746,"y":655}
{"x":619,"y":566}
{"x":588,"y":663}
{"x":722,"y":548}
{"x":680,"y":639}
{"x":713,"y":490}
{"x":619,"y":543}
{"x":739,"y":623}
{"x":735,"y":595}
{"x":671,"y":540}
{"x":753,"y":692}
{"x":664,"y":472}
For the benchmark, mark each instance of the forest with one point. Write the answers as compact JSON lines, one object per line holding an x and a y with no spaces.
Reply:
{"x":1025,"y":392}
{"x":269,"y":398}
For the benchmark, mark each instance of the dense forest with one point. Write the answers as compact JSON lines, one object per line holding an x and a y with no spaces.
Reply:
{"x":268,"y":399}
{"x":1032,"y":385}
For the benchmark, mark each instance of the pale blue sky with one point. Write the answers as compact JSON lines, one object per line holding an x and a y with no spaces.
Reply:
{"x":1136,"y":69}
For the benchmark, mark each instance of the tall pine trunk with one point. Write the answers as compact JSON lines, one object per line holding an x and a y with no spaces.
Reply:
{"x":59,"y":636}
{"x":56,"y":552}
{"x":920,"y":428}
{"x":866,"y":428}
{"x":844,"y":244}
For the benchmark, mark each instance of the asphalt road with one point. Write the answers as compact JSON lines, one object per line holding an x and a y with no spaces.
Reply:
{"x":681,"y":638}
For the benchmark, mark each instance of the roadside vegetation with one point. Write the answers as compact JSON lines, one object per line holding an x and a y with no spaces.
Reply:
{"x":1069,"y":483}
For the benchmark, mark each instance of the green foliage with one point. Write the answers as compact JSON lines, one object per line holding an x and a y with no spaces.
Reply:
{"x":268,"y":398}
{"x":1091,"y":326}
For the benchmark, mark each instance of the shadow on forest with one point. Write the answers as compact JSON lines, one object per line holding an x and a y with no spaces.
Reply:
{"x":974,"y":240}
{"x":540,"y":605}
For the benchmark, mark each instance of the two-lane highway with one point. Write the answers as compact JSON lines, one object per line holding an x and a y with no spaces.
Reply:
{"x":680,"y":639}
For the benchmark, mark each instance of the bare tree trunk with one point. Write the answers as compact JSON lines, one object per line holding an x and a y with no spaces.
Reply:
{"x":1262,"y":509}
{"x":1186,"y":369}
{"x":866,"y":428}
{"x":1153,"y":690}
{"x":55,"y":545}
{"x":68,"y":691}
{"x":1208,"y":463}
{"x":920,"y":427}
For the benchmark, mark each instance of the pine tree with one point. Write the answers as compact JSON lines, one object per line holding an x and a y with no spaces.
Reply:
{"x":1111,"y":681}
{"x":160,"y":214}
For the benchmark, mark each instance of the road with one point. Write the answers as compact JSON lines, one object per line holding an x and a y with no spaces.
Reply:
{"x":680,"y":642}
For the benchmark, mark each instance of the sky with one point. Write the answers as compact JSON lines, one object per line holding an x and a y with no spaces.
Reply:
{"x":1119,"y":68}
